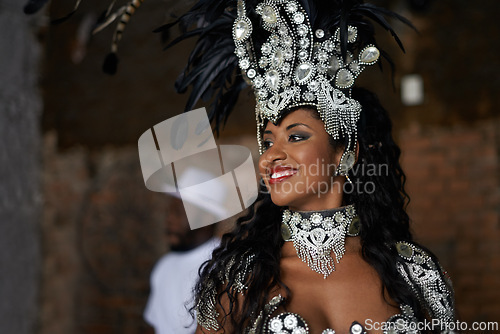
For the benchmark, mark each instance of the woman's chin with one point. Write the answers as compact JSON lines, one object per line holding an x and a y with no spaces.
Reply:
{"x":283,"y":201}
{"x":279,"y":200}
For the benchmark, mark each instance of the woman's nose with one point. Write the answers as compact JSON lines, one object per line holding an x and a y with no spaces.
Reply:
{"x":271,"y":156}
{"x":275,"y":153}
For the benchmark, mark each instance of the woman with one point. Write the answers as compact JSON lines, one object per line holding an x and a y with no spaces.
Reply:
{"x":368,"y":286}
{"x":326,"y":248}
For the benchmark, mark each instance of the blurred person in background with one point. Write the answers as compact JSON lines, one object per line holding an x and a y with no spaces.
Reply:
{"x":174,"y":275}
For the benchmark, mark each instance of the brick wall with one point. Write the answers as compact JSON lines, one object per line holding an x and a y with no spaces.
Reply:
{"x":101,"y":235}
{"x":102,"y":232}
{"x":453,"y":182}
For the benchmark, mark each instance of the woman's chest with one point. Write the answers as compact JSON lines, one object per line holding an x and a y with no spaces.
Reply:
{"x":344,"y":297}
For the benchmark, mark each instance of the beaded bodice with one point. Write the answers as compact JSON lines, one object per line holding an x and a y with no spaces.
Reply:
{"x":424,"y":276}
{"x":271,"y":322}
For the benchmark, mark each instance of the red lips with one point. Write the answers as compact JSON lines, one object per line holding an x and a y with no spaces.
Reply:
{"x":281,"y":173}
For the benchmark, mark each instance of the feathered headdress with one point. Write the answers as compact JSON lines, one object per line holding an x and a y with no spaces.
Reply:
{"x":292,"y":52}
{"x":214,"y":66}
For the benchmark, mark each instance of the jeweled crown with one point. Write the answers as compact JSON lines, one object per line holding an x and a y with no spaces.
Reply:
{"x":300,"y":68}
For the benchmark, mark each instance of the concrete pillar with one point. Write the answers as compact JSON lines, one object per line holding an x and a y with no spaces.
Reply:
{"x":20,"y":169}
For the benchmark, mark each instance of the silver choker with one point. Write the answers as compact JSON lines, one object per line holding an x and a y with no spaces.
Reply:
{"x":315,"y":234}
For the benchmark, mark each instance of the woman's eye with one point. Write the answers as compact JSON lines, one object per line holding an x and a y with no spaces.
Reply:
{"x":297,"y":137}
{"x":267,"y":144}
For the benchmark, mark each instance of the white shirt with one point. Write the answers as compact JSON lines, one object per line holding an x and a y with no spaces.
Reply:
{"x":172,"y":281}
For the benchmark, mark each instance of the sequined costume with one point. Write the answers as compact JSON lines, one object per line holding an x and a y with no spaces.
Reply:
{"x":424,"y":277}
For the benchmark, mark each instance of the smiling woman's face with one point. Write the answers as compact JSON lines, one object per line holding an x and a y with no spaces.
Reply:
{"x":298,"y":164}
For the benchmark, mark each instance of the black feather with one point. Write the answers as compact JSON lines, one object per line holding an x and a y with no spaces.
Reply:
{"x":212,"y":65}
{"x":166,"y":26}
{"x":102,"y":17}
{"x":391,"y":64}
{"x":34,"y":6}
{"x":205,"y":77}
{"x":344,"y":17}
{"x":110,"y":63}
{"x":187,"y":35}
{"x":67,"y":16}
{"x":230,"y":98}
{"x":64,"y":18}
{"x":378,"y":14}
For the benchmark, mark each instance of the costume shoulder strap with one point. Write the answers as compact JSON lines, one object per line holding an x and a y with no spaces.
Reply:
{"x":234,"y":277}
{"x":428,"y":280}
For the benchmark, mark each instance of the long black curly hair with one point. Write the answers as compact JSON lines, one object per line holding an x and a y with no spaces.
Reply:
{"x":384,"y":222}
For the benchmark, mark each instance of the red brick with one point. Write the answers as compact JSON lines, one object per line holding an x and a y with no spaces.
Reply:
{"x":462,"y":139}
{"x":416,"y":144}
{"x":433,"y":186}
{"x":490,"y":282}
{"x":447,"y":171}
{"x":460,"y":186}
{"x":494,"y":262}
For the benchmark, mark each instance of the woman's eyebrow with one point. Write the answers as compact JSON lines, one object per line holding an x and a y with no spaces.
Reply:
{"x":297,"y":124}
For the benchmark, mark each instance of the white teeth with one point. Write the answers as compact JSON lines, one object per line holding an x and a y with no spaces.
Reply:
{"x":283,"y":173}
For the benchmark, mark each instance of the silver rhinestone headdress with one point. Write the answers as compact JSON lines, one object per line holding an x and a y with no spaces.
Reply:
{"x":300,"y":68}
